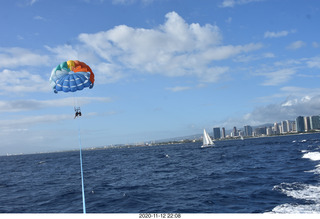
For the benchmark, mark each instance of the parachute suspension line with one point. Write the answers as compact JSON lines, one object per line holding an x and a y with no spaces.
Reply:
{"x":76,"y":106}
{"x":82,"y":183}
{"x":75,"y":101}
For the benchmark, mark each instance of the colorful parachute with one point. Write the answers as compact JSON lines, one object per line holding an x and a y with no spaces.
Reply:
{"x":71,"y":76}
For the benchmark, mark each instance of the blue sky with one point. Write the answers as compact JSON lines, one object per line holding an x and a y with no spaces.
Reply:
{"x":164,"y":68}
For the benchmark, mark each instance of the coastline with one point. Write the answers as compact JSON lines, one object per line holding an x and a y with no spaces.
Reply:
{"x":174,"y":142}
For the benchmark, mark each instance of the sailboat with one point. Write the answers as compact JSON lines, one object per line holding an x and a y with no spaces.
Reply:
{"x":207,"y":142}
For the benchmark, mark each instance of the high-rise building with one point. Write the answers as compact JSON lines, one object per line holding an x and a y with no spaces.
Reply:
{"x":276,"y":128}
{"x":223,"y":132}
{"x":307,"y":125}
{"x":284,"y":126}
{"x":247,"y":130}
{"x":269,"y":131}
{"x":216,"y":133}
{"x":294,"y":127}
{"x":234,"y":131}
{"x":290,"y":126}
{"x":300,"y":124}
{"x":260,"y":131}
{"x":315,"y":122}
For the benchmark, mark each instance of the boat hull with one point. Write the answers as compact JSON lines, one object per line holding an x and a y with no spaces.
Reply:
{"x":207,"y":146}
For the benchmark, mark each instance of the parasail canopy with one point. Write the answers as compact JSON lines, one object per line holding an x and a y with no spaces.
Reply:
{"x":71,"y":76}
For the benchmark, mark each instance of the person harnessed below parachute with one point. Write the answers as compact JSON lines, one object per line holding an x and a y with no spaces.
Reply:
{"x":77,"y":112}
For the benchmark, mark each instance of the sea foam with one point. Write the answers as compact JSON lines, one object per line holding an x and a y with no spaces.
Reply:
{"x":315,"y":156}
{"x":299,"y":191}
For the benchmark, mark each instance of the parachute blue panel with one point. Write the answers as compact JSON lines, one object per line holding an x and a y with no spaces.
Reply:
{"x":73,"y":82}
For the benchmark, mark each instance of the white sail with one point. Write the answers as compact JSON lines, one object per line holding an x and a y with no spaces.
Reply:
{"x":207,"y":142}
{"x":205,"y":138}
{"x":209,"y":139}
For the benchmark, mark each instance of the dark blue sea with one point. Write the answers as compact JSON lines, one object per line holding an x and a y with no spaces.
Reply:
{"x":261,"y":175}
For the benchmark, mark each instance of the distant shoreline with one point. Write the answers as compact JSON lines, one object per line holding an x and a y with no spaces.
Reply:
{"x":183,"y":141}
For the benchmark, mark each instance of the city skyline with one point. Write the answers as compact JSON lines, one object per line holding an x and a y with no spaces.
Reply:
{"x":300,"y":124}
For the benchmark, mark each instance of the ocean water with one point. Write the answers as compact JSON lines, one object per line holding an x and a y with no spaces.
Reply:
{"x":262,"y":175}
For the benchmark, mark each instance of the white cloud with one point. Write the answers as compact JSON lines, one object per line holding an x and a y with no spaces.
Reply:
{"x":68,"y":52}
{"x":288,"y":109}
{"x":278,"y":77}
{"x":31,"y":2}
{"x":175,"y":48}
{"x":228,"y":3}
{"x":225,"y":52}
{"x":31,"y":104}
{"x":248,"y":58}
{"x":296,"y":45}
{"x":283,"y":71}
{"x":314,"y":62}
{"x":212,"y":74}
{"x":107,"y":73}
{"x":64,"y":52}
{"x":289,"y":92}
{"x":268,"y":55}
{"x":289,"y":62}
{"x":178,"y":88}
{"x":315,"y":44}
{"x":38,"y":17}
{"x":174,"y":36}
{"x":15,"y":57}
{"x":232,"y":3}
{"x":123,"y":2}
{"x":269,"y":34}
{"x":299,"y":92}
{"x":184,"y":88}
{"x":27,"y":121}
{"x":22,"y":81}
{"x":128,"y":2}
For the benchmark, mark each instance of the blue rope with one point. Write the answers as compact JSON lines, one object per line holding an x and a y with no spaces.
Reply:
{"x":75,"y":103}
{"x":82,"y":184}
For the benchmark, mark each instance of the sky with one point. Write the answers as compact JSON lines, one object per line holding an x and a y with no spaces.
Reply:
{"x":163,"y":68}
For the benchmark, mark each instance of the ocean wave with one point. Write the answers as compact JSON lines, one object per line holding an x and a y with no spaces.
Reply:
{"x":315,"y":156}
{"x":300,"y":191}
{"x":315,"y":171}
{"x":297,"y":209}
{"x":306,"y":192}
